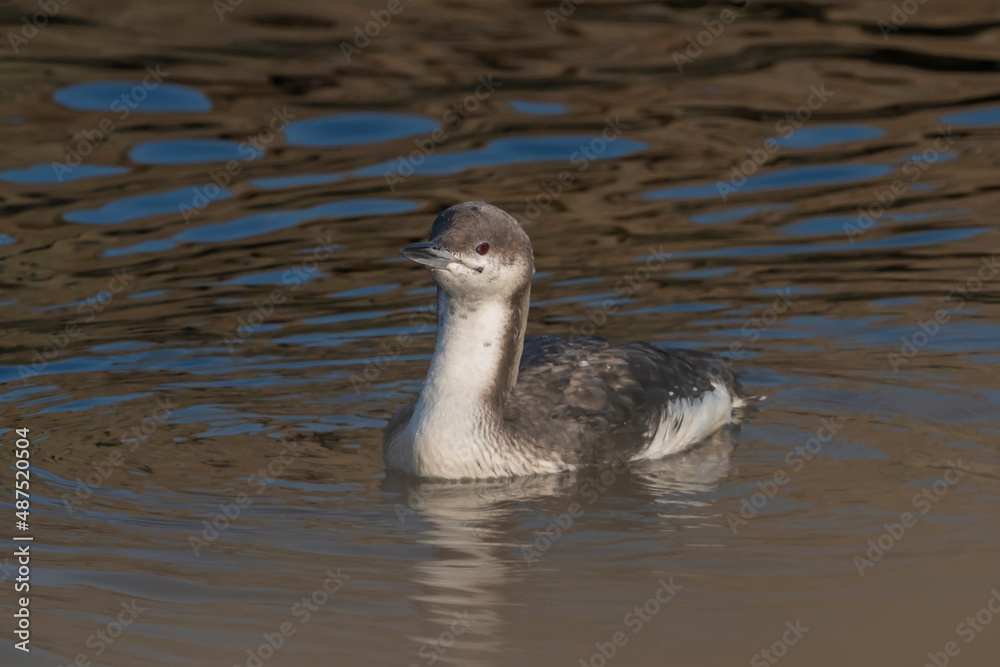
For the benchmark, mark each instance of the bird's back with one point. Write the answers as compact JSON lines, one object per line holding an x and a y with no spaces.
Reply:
{"x":590,"y":401}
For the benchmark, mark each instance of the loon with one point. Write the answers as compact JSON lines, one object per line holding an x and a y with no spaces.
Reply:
{"x":495,"y":405}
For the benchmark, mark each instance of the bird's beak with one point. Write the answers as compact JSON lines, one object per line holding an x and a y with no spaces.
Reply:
{"x":429,"y":254}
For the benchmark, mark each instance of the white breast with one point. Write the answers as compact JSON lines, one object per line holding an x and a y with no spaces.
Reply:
{"x":450,"y":434}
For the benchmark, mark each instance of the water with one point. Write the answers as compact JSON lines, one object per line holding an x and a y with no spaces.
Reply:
{"x":206,"y":321}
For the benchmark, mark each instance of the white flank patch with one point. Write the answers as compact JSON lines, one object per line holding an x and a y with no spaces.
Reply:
{"x":686,"y":422}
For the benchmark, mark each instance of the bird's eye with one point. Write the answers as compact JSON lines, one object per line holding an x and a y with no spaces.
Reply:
{"x":483,"y":248}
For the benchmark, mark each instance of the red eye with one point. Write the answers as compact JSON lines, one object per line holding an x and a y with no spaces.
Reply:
{"x":483,"y":248}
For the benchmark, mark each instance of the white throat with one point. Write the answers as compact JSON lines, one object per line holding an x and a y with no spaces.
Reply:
{"x":455,"y":428}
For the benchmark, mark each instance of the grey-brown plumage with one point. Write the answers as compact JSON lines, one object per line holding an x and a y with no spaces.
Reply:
{"x":597,"y":400}
{"x":495,"y":405}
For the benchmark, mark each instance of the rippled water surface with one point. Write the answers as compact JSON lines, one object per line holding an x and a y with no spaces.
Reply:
{"x":206,"y":324}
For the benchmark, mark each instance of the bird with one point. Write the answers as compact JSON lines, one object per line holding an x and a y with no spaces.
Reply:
{"x":496,"y":405}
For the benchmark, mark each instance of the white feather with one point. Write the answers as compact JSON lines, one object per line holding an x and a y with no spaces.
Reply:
{"x":685,"y":422}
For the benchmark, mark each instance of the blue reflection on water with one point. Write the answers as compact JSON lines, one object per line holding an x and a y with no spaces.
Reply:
{"x":578,"y":150}
{"x":537,"y":108}
{"x":132,"y":208}
{"x":796,"y":177}
{"x":193,"y":151}
{"x":826,"y":135}
{"x":45,"y":174}
{"x":987,"y":116}
{"x":263,"y":223}
{"x":124,"y":97}
{"x":351,"y":129}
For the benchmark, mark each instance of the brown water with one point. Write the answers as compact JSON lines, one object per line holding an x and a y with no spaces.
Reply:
{"x":200,"y":331}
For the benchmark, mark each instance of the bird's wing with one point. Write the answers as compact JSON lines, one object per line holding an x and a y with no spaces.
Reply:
{"x":602,"y":400}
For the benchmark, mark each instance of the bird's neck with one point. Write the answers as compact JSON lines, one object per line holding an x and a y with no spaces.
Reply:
{"x":478,"y":348}
{"x":472,"y":372}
